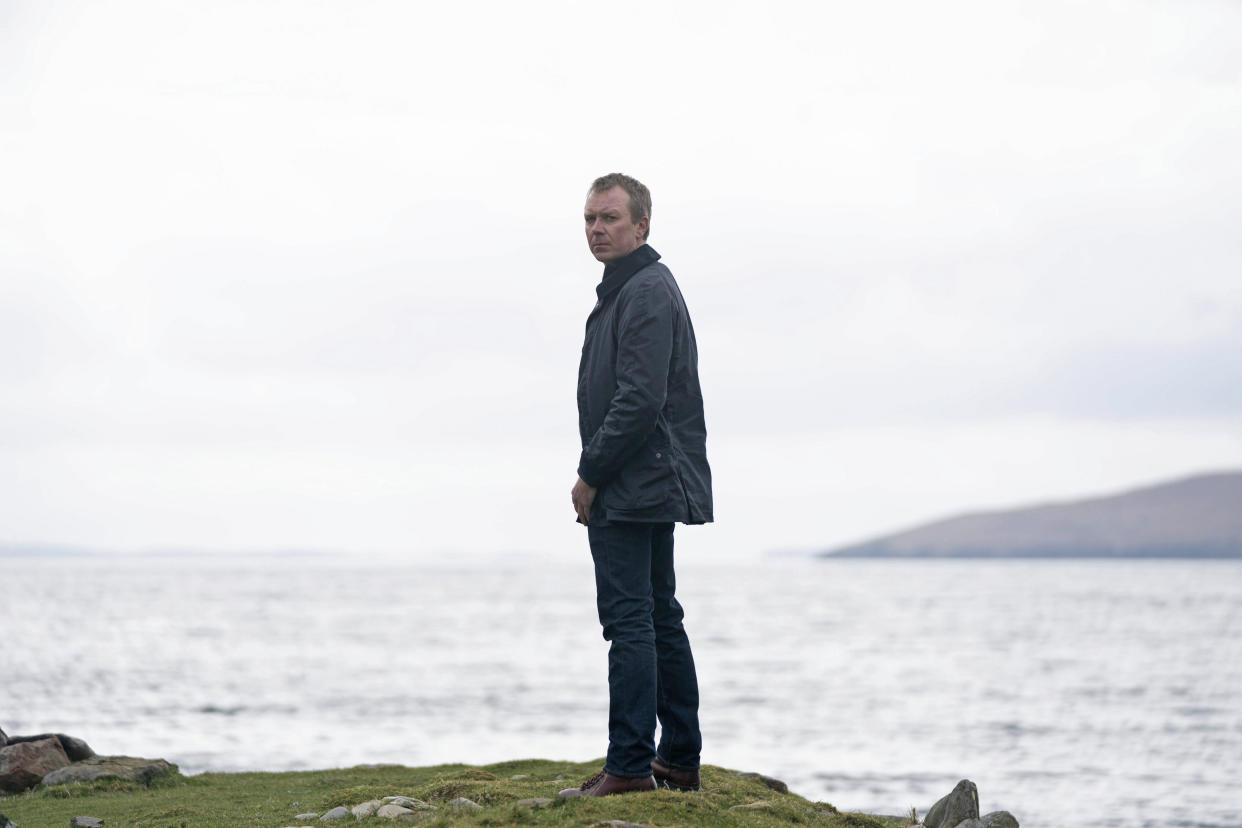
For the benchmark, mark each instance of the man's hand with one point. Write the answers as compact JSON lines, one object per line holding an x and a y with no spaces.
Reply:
{"x":583,"y":496}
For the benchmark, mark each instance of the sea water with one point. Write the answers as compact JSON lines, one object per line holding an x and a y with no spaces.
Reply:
{"x":1073,"y":693}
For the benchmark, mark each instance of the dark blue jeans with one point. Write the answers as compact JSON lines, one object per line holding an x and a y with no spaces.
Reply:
{"x":650,"y":669}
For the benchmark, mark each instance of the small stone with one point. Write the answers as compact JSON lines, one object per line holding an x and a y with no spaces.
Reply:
{"x":462,"y":802}
{"x":339,"y":812}
{"x":393,"y":811}
{"x":365,"y":809}
{"x":999,"y":819}
{"x":536,"y":802}
{"x":761,"y":805}
{"x":616,"y":823}
{"x":307,"y":816}
{"x":519,"y":776}
{"x":959,"y":805}
{"x":409,"y":802}
{"x":86,"y":822}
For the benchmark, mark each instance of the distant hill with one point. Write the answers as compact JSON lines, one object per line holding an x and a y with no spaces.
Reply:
{"x":1199,"y":517}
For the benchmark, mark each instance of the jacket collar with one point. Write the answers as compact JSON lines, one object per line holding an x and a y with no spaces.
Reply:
{"x":618,"y":272}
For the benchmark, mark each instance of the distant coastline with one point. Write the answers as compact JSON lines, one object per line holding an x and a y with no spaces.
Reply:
{"x":880,"y":552}
{"x":1194,"y":518}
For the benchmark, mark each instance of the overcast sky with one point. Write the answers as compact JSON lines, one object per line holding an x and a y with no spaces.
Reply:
{"x":312,"y":275}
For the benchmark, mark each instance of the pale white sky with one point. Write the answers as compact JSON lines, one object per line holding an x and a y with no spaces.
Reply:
{"x":311,"y":274}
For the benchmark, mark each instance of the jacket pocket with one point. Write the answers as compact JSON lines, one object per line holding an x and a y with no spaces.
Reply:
{"x":647,"y":480}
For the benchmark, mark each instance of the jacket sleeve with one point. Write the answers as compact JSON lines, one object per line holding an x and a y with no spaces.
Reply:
{"x":644,"y":347}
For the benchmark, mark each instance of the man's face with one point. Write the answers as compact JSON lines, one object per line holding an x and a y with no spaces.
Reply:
{"x":610,"y":231}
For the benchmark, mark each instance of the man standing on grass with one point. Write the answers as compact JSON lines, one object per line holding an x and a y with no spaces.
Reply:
{"x":643,"y":468}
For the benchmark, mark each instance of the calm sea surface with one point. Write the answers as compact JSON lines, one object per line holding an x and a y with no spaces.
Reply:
{"x":1081,"y":693}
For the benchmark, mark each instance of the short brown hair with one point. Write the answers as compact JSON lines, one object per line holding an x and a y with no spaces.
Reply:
{"x":640,"y":196}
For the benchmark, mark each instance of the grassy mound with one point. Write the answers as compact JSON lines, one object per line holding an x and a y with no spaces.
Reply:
{"x":271,"y":800}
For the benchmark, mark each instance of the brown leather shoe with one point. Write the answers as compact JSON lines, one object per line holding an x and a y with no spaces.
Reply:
{"x":677,"y":780}
{"x":605,"y":784}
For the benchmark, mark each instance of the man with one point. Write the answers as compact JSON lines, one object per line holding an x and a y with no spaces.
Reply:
{"x":643,"y":468}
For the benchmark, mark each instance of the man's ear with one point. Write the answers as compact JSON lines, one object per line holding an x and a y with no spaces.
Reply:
{"x":644,"y":227}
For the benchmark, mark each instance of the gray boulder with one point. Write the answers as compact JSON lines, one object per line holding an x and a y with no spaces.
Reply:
{"x":365,"y":809}
{"x":5,"y":822}
{"x":86,"y":822}
{"x":465,"y":804}
{"x":4,"y":740}
{"x":408,"y":802}
{"x":74,"y":748}
{"x":961,"y":804}
{"x":999,"y":819}
{"x":393,"y":811}
{"x":339,"y":812}
{"x":22,"y":765}
{"x":129,"y":768}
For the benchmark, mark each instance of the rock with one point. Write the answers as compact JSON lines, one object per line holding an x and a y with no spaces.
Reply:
{"x":536,"y":802}
{"x":74,"y":748}
{"x":999,"y":819}
{"x":519,"y":776}
{"x":339,"y":812}
{"x":971,"y":823}
{"x":22,"y":765}
{"x":307,"y":816}
{"x":5,"y":822}
{"x":366,"y":809}
{"x":4,"y":740}
{"x":409,"y":802}
{"x":616,"y":823}
{"x":961,"y":804}
{"x":391,"y":811}
{"x":129,"y":768}
{"x":775,"y":784}
{"x":465,"y":804}
{"x":86,"y":822}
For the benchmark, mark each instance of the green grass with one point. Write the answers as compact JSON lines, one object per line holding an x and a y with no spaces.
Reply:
{"x":271,"y":800}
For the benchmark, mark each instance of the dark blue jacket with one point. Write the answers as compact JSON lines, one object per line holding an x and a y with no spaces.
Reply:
{"x":640,"y":409}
